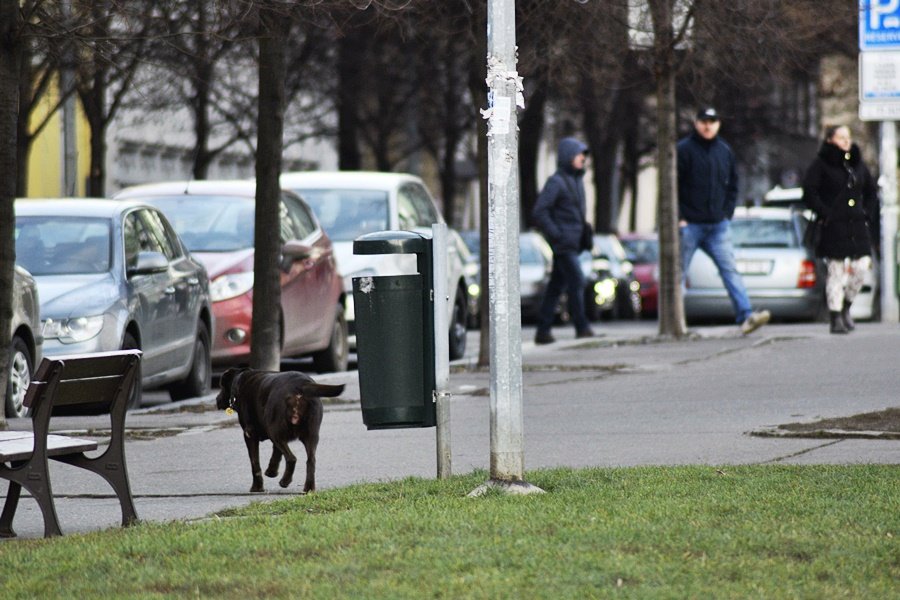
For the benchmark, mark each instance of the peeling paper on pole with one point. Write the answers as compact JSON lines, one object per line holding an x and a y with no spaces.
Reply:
{"x":499,"y":111}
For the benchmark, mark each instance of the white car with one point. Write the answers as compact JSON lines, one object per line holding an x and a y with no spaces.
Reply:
{"x":349,"y":204}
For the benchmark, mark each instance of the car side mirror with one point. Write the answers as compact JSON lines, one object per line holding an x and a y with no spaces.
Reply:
{"x":292,"y":252}
{"x":148,"y":263}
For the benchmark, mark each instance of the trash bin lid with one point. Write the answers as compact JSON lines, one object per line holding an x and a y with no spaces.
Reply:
{"x":391,"y":242}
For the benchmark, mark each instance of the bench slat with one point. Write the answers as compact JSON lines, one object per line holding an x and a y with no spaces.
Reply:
{"x":22,"y":447}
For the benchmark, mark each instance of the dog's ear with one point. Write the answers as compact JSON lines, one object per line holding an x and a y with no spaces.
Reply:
{"x":228,"y":377}
{"x":322,"y":390}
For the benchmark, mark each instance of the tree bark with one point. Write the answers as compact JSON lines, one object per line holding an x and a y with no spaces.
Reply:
{"x":671,"y":305}
{"x":265,"y":343}
{"x":349,"y":155}
{"x":10,"y":48}
{"x":531,"y":131}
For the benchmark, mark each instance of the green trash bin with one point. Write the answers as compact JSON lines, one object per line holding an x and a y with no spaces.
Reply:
{"x":395,"y":335}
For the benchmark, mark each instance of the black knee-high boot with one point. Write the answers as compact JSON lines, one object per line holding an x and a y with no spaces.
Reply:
{"x":845,"y":315}
{"x":837,"y":322}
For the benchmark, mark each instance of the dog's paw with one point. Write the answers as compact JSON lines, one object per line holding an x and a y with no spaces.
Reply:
{"x":270,"y":472}
{"x":284,"y":482}
{"x":257,"y":489}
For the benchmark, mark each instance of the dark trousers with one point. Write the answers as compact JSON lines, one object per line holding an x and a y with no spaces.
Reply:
{"x":566,"y":277}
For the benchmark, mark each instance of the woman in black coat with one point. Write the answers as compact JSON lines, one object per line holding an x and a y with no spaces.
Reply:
{"x":840,"y":190}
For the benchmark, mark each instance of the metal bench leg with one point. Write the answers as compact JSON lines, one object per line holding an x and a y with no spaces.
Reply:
{"x":114,"y":472}
{"x":37,"y":483}
{"x":9,"y":510}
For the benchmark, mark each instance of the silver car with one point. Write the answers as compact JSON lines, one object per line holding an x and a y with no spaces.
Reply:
{"x":25,"y":347}
{"x":780,"y":274}
{"x":114,"y":275}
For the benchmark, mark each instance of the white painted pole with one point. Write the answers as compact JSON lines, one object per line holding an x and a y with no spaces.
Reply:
{"x":441,"y":348}
{"x":888,"y":183}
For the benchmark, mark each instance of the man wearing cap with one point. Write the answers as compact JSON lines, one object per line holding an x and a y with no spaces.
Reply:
{"x":559,"y":213}
{"x":707,"y":194}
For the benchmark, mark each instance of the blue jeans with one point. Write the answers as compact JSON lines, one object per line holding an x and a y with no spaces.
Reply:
{"x":565,"y":277}
{"x":715,"y":240}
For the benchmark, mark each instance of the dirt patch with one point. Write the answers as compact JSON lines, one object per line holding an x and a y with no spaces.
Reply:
{"x":882,"y":424}
{"x":882,"y":420}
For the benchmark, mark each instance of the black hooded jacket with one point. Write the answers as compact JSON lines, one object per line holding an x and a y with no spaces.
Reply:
{"x":559,"y":212}
{"x":707,"y":180}
{"x":840,"y":190}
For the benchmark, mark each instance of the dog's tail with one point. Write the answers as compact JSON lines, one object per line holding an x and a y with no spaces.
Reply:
{"x":322,"y":390}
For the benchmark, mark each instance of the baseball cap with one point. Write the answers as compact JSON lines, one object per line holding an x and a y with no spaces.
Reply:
{"x":707,"y":114}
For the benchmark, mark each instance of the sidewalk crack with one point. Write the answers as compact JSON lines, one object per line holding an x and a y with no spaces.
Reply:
{"x":800,"y":452}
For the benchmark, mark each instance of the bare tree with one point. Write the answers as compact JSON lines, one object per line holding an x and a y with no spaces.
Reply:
{"x":11,"y":50}
{"x":265,"y":345}
{"x":109,"y":37}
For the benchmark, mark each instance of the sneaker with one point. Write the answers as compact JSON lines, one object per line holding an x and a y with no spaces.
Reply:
{"x":757,"y":319}
{"x":586,"y":333}
{"x":543,"y":337}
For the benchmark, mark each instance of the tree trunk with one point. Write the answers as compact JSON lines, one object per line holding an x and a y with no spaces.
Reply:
{"x":96,"y":184}
{"x":478,"y":92}
{"x":531,"y":130}
{"x":265,"y":342}
{"x":200,"y":105}
{"x":349,"y":156}
{"x":671,"y":305}
{"x":10,"y":47}
{"x":21,"y":137}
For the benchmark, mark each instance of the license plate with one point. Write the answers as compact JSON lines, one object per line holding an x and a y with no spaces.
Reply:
{"x":754,"y":267}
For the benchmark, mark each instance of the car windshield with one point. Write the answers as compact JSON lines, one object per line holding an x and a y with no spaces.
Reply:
{"x":209,"y":223}
{"x":610,"y":247}
{"x":763,"y":233}
{"x":347,"y":214}
{"x":529,"y":254}
{"x":642,"y":251}
{"x":57,"y":245}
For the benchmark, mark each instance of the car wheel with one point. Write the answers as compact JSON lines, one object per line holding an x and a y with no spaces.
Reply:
{"x":136,"y":396}
{"x":336,"y":356}
{"x":458,"y":326}
{"x":20,"y":369}
{"x":199,"y":380}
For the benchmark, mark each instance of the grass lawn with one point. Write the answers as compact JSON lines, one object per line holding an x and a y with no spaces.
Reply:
{"x":650,"y":532}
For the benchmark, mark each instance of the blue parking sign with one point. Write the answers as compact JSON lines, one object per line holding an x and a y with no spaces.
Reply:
{"x":879,"y":24}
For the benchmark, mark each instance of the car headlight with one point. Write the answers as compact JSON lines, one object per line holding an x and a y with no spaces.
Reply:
{"x":348,"y":279}
{"x":474,"y":290}
{"x":230,"y":285}
{"x":72,"y":331}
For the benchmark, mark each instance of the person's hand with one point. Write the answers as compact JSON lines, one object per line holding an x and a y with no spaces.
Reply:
{"x":682,"y":223}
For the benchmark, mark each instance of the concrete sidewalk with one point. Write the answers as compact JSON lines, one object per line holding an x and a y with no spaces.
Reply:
{"x":622,"y":399}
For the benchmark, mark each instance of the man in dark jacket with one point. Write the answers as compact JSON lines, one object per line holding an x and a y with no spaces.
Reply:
{"x":707,"y":194}
{"x":560,"y":215}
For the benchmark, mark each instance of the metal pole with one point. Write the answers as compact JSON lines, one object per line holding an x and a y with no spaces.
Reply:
{"x":504,"y":95}
{"x":888,"y":184}
{"x":68,"y":180}
{"x":507,"y":423}
{"x":441,"y":348}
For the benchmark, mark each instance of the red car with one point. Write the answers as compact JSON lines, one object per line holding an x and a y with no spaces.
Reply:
{"x":215,"y":220}
{"x":643,"y":252}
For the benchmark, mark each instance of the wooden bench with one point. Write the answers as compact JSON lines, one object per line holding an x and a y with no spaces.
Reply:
{"x":103,"y":378}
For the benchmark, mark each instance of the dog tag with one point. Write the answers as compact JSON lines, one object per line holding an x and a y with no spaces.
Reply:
{"x":229,"y":411}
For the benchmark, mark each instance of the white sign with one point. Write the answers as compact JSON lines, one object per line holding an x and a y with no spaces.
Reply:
{"x":879,"y":111}
{"x":879,"y":24}
{"x":879,"y":75}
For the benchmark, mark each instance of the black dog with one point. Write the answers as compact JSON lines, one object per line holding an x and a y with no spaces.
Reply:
{"x":280,"y":407}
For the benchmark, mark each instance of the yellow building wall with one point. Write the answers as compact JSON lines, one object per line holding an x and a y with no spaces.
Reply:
{"x":45,"y":158}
